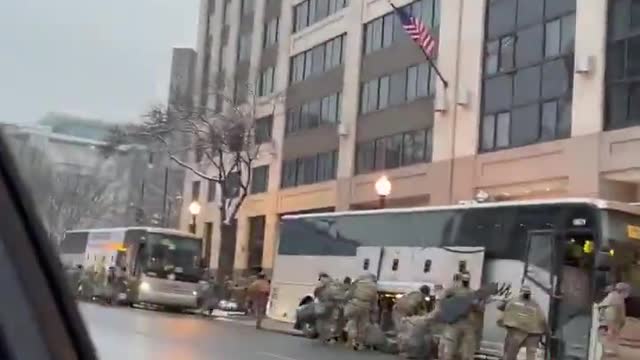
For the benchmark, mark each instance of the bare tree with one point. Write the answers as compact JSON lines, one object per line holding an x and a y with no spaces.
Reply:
{"x":224,"y":148}
{"x":76,"y":201}
{"x":66,"y":200}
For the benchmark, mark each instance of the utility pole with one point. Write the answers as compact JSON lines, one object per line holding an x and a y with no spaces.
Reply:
{"x":164,"y":197}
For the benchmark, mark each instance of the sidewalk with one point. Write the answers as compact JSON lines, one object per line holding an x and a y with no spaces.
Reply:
{"x":267,"y":324}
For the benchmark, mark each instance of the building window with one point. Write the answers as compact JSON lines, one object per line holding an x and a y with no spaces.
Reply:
{"x":204,"y":86}
{"x":309,"y":169}
{"x":265,"y":81}
{"x":195,"y":191}
{"x":199,"y":151}
{"x":528,"y":73}
{"x":247,"y":6}
{"x":623,"y":65}
{"x":240,"y":91}
{"x":311,"y":11}
{"x":317,"y":60}
{"x":289,"y":173}
{"x":270,"y":33}
{"x":260,"y":179}
{"x":399,"y":88}
{"x":211,"y":191}
{"x":244,"y":47}
{"x":256,"y":241}
{"x":380,"y":33}
{"x":263,"y":128}
{"x":227,"y":13}
{"x":394,"y":151}
{"x":313,"y":114}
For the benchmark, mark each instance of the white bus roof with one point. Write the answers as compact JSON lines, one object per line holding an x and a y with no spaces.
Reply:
{"x":598,"y":203}
{"x":144,"y":228}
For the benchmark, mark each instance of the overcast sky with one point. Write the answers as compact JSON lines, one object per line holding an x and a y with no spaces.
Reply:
{"x":107,"y":59}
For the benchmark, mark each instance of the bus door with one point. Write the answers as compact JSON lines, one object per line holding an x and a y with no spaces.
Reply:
{"x":540,"y":271}
{"x":558,"y":268}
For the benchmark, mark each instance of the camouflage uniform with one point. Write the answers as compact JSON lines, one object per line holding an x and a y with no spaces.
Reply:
{"x":258,"y":293}
{"x":612,"y":316}
{"x":330,"y":295}
{"x":525,"y":323}
{"x":411,"y":328}
{"x":411,"y":304}
{"x":361,"y":301}
{"x":461,"y":338}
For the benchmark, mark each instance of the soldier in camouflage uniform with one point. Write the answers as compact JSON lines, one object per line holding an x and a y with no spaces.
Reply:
{"x":412,"y":326}
{"x":330,"y":295}
{"x":612,"y":318}
{"x":525,"y":323}
{"x":361,"y":301}
{"x":461,"y":338}
{"x":410,"y":304}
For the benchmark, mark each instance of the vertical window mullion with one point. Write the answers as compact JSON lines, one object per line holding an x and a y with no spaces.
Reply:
{"x":626,"y":58}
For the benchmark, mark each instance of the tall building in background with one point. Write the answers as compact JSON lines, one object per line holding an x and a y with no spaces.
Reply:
{"x":541,"y":102}
{"x":162,"y":181}
{"x":181,"y":79}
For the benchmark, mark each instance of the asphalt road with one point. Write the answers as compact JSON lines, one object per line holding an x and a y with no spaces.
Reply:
{"x":124,"y":333}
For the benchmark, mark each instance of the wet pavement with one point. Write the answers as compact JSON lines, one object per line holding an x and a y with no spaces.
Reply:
{"x":125,"y":333}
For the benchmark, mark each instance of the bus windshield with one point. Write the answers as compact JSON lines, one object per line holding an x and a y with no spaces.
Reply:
{"x":171,"y":254}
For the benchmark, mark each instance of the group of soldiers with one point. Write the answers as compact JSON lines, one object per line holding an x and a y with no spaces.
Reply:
{"x":97,"y":281}
{"x":418,"y":320}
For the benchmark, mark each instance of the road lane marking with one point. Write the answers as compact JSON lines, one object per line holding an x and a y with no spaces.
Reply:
{"x":281,"y":357}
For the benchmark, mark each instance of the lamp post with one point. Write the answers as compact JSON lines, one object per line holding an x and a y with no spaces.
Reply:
{"x":383,"y":189}
{"x":194,"y":209}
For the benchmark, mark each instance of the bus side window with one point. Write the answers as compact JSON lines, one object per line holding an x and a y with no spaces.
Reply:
{"x":365,"y":265}
{"x":396,"y":262}
{"x":427,"y":266}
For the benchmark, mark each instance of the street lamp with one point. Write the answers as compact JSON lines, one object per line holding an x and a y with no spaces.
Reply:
{"x":383,"y":189}
{"x":194,"y":209}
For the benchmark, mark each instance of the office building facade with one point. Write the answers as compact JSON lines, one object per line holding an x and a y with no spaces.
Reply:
{"x":539,"y":103}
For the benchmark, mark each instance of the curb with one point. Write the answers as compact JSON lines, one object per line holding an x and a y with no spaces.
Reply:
{"x":244,"y":321}
{"x":284,"y":332}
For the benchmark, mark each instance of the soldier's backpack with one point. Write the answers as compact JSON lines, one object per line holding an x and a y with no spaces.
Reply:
{"x":415,"y":341}
{"x":377,"y":339}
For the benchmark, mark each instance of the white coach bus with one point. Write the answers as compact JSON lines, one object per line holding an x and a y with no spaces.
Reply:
{"x":162,"y":266}
{"x":567,"y":250}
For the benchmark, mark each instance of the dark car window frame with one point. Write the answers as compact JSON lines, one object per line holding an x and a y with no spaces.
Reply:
{"x":40,"y":318}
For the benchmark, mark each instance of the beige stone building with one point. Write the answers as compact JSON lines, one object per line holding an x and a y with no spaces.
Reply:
{"x":543,"y":100}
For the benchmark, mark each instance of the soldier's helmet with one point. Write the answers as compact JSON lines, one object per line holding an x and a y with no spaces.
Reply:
{"x":425,"y":289}
{"x":525,"y":290}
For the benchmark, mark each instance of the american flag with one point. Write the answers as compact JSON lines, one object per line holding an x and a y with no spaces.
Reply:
{"x":417,"y":31}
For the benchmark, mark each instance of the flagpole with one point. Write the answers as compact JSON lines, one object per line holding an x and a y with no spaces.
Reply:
{"x":435,"y":68}
{"x":431,"y":63}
